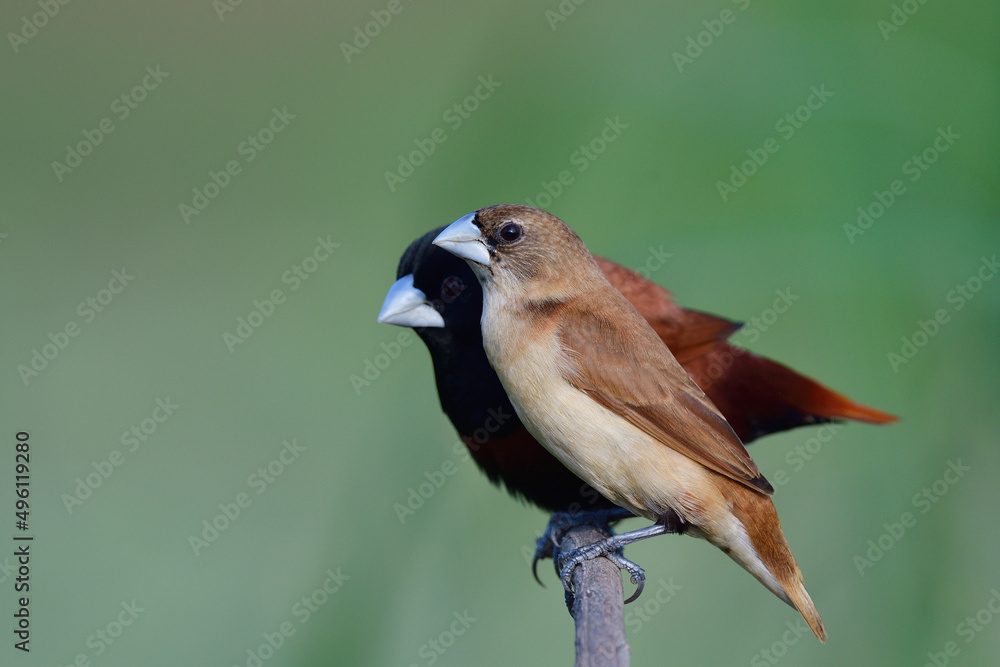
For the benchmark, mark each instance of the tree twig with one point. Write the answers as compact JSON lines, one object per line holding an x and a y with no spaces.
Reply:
{"x":598,"y":605}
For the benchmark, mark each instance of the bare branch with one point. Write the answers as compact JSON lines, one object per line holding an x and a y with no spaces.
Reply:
{"x":598,"y":606}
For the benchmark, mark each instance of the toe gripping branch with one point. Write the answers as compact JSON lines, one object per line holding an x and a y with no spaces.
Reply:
{"x":610,"y":548}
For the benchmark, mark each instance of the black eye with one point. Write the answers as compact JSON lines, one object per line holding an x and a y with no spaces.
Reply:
{"x":451,"y":288}
{"x":510,"y":232}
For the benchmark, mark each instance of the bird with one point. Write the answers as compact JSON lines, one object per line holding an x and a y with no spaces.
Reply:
{"x":438,"y":295}
{"x":595,"y":385}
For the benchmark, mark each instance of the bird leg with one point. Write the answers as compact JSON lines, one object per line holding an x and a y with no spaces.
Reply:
{"x":611,"y":549}
{"x":560,"y":522}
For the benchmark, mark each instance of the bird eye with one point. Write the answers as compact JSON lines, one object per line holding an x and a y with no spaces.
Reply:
{"x":451,"y":288}
{"x":510,"y":232}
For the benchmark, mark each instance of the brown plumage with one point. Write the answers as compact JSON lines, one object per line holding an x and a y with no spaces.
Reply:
{"x":756,"y":394}
{"x":620,"y":365}
{"x":596,"y":386}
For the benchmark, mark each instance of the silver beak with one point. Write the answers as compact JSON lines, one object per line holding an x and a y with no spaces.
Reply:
{"x":463,"y":239}
{"x":406,"y":306}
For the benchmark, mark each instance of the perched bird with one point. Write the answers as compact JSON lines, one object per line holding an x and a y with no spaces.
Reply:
{"x":439,"y":296}
{"x":596,"y":386}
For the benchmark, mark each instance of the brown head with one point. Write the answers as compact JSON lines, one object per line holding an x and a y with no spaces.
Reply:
{"x":510,"y":246}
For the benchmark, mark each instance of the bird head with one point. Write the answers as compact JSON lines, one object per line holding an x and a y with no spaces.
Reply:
{"x":511,"y":246}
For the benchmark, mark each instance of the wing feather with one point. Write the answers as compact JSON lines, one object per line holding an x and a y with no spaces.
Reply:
{"x":619,"y":362}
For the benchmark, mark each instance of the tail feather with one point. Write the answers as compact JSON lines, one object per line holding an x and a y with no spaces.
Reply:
{"x":767,"y":555}
{"x":759,"y":396}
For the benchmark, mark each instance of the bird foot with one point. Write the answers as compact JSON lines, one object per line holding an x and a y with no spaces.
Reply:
{"x":611,"y":549}
{"x":560,"y":522}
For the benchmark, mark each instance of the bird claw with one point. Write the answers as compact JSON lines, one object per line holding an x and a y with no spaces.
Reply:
{"x":539,"y":555}
{"x":636,"y":574}
{"x":610,"y":549}
{"x":560,"y":522}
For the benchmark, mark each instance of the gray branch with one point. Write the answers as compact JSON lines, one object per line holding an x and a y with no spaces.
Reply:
{"x":598,"y":605}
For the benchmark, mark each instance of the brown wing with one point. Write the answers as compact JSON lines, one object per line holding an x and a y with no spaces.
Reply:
{"x":756,"y":395}
{"x":617,"y":360}
{"x":688,"y":333}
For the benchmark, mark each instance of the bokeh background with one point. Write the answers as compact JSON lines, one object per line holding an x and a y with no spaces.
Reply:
{"x":693,"y":88}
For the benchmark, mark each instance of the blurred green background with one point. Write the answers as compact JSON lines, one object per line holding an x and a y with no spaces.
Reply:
{"x":449,"y":585}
